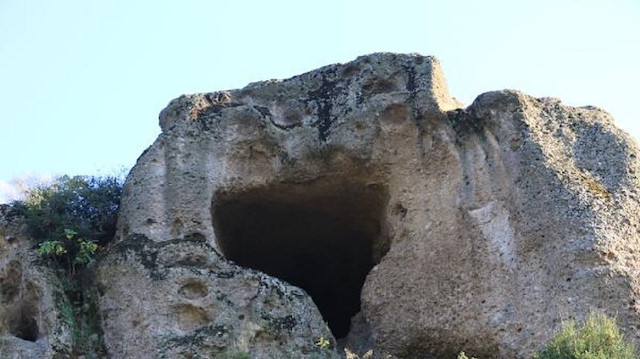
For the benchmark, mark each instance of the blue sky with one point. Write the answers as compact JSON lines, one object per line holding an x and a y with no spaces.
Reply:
{"x":82,"y":82}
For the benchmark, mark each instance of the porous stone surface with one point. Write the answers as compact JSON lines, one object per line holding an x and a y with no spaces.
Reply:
{"x":31,"y":322}
{"x":177,"y":299}
{"x":478,"y":229}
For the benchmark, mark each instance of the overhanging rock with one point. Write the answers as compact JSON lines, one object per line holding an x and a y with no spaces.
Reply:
{"x":414,"y":227}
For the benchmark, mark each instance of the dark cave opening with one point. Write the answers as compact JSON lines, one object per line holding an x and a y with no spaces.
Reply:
{"x":25,"y":328}
{"x":323,"y":238}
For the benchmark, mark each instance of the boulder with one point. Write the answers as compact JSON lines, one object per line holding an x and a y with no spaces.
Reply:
{"x":363,"y":196}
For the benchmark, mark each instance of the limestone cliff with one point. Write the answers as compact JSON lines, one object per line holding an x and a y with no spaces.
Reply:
{"x":362,"y":195}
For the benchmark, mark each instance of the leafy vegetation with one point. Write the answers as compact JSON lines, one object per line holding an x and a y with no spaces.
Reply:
{"x":69,"y":220}
{"x":323,"y":343}
{"x":57,"y":250}
{"x":598,"y":338}
{"x":71,"y":217}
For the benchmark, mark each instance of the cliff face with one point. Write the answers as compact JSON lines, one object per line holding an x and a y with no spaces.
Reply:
{"x":362,"y":196}
{"x":31,"y":322}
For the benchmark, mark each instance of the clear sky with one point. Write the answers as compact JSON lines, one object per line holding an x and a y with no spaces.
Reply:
{"x":82,"y":82}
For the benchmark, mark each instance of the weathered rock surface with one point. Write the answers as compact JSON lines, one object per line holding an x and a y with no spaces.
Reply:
{"x":437,"y":228}
{"x":177,"y":299}
{"x":31,"y":322}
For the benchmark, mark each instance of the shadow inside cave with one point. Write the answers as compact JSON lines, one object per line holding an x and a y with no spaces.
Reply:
{"x":323,"y":238}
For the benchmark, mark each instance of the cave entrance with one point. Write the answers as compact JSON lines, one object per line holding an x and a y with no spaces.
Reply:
{"x":324,"y":238}
{"x":26,"y":328}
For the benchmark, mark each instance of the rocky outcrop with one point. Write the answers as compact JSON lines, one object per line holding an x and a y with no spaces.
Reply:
{"x":177,"y":299}
{"x":414,"y":227}
{"x":32,"y":321}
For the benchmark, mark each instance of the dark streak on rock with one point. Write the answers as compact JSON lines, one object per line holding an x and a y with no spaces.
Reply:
{"x":206,"y":116}
{"x":284,"y":323}
{"x":412,"y":88}
{"x":464,"y":124}
{"x":323,"y":97}
{"x":411,"y":81}
{"x":198,"y":336}
{"x":283,"y":127}
{"x":225,"y":274}
{"x":263,"y":111}
{"x":267,"y":114}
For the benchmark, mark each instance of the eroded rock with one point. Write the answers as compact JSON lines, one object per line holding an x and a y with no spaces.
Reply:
{"x":182,"y":301}
{"x":439,"y":229}
{"x":32,"y":323}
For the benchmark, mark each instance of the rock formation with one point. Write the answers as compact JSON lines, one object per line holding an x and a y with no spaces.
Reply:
{"x":360,"y":206}
{"x":31,"y":322}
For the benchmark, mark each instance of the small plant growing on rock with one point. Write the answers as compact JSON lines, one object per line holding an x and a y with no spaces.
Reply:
{"x":57,"y":250}
{"x":351,"y":355}
{"x":598,"y":338}
{"x":48,"y":248}
{"x":462,"y":355}
{"x":323,"y":343}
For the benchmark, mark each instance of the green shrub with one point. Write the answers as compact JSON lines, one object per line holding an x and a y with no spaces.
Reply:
{"x":57,"y":250}
{"x":68,"y":221}
{"x":598,"y":338}
{"x":69,"y":218}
